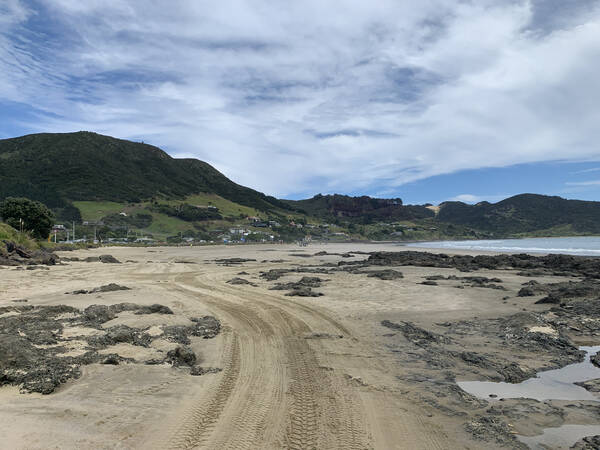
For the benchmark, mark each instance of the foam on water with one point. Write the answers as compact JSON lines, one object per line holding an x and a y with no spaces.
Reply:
{"x":585,"y":245}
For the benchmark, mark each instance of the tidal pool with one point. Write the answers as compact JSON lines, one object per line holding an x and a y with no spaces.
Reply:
{"x":559,"y":437}
{"x":548,"y":385}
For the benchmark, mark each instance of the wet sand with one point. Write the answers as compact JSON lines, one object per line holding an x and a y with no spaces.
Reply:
{"x":297,"y":372}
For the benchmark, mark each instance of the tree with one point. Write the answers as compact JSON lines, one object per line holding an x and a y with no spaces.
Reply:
{"x":31,"y":216}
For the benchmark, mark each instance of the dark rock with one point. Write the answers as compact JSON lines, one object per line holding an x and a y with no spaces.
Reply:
{"x":590,"y":385}
{"x":106,"y":288}
{"x":303,"y":292}
{"x":239,"y":281}
{"x":588,"y":443}
{"x":181,"y":356}
{"x":108,"y":259}
{"x":513,"y":373}
{"x":123,"y":334}
{"x":389,"y":274}
{"x":428,"y":283}
{"x":301,"y":288}
{"x":154,"y":309}
{"x":568,"y":264}
{"x":113,"y":359}
{"x":323,"y":336}
{"x":595,"y":359}
{"x":551,"y":299}
{"x":274,"y":274}
{"x":198,"y":370}
{"x":526,"y":291}
{"x":493,"y":429}
{"x":177,"y":333}
{"x":416,"y":335}
{"x":230,"y":261}
{"x":98,"y":314}
{"x":206,"y":327}
{"x":12,"y":254}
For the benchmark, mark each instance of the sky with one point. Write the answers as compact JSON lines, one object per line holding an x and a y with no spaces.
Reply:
{"x":428,"y":101}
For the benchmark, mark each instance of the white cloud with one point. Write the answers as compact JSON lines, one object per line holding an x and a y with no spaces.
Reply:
{"x":470,"y":198}
{"x":584,"y":183}
{"x":308,"y":97}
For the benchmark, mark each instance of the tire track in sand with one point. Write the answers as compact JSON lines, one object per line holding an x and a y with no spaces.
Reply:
{"x":201,"y":420}
{"x":250,"y":408}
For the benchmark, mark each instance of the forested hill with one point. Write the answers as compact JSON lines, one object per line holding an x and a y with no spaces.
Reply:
{"x":359,"y":209}
{"x":59,"y":168}
{"x":525,"y":213}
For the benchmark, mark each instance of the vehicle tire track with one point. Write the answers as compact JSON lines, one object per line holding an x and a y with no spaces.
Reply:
{"x":201,"y":420}
{"x":273,"y":381}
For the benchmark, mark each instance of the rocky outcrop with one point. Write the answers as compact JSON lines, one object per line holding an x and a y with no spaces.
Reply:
{"x":34,"y":351}
{"x":12,"y":254}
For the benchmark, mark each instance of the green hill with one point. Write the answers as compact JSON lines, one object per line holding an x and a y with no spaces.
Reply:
{"x":525,"y":214}
{"x":121,"y":188}
{"x":58,"y":169}
{"x":359,"y":209}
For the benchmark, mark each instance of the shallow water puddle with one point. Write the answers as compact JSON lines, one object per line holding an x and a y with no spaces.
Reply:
{"x":549,"y":385}
{"x":559,"y":437}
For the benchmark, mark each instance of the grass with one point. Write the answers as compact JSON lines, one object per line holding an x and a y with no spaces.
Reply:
{"x":8,"y":233}
{"x":97,"y":210}
{"x":226,"y":207}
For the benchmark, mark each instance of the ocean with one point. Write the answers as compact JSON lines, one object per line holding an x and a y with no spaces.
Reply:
{"x":585,"y":245}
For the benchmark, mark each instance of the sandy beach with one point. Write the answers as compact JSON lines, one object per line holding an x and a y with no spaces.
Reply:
{"x":337,"y":370}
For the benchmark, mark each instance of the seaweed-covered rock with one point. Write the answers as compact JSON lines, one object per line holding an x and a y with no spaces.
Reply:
{"x":182,"y":356}
{"x":207,"y":327}
{"x":487,"y":428}
{"x":590,"y":385}
{"x":588,"y":443}
{"x":177,"y":333}
{"x":568,"y":265}
{"x":415,"y":334}
{"x":233,"y":261}
{"x":112,"y":287}
{"x":199,"y":370}
{"x":274,"y":274}
{"x":33,"y":346}
{"x":303,"y":291}
{"x":154,"y":309}
{"x":388,"y":274}
{"x":304,"y":282}
{"x":240,"y":281}
{"x":98,"y":314}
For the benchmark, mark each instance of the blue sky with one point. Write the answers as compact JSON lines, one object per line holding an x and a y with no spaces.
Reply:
{"x":427,"y":101}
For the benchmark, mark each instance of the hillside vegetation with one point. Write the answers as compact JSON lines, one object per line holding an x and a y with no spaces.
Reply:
{"x":58,"y":169}
{"x":526,"y":214}
{"x":117,"y":189}
{"x":8,"y":233}
{"x":359,"y":209}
